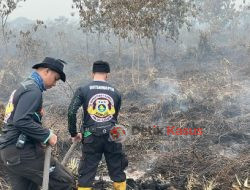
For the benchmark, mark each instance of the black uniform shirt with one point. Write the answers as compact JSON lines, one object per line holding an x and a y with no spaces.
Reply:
{"x":101,"y":104}
{"x":23,"y":104}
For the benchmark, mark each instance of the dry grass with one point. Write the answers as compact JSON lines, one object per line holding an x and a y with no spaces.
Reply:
{"x":2,"y":110}
{"x":4,"y":185}
{"x":203,"y":162}
{"x":207,"y":100}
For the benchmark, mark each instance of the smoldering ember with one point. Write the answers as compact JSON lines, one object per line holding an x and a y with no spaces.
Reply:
{"x":169,"y":93}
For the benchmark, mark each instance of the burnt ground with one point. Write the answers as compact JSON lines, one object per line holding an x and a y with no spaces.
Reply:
{"x":215,"y":99}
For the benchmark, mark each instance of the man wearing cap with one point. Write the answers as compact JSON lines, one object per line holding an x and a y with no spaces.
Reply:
{"x":101,"y":104}
{"x":23,"y":138}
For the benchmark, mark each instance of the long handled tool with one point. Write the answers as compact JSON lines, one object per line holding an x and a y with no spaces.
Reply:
{"x":45,"y":185}
{"x":68,"y":154}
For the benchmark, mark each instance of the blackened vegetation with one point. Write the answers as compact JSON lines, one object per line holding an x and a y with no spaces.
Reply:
{"x":199,"y":79}
{"x":3,"y":182}
{"x":2,"y":110}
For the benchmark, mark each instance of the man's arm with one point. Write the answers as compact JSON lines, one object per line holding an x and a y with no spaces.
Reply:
{"x":75,"y":104}
{"x":27,"y":105}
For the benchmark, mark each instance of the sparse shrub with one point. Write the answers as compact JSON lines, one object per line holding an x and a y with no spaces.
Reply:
{"x":204,"y":47}
{"x":1,"y":116}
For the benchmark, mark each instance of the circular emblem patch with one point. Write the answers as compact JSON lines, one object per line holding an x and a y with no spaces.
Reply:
{"x":101,"y":108}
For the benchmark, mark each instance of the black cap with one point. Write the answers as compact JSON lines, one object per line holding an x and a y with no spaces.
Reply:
{"x":101,"y":67}
{"x":53,"y":64}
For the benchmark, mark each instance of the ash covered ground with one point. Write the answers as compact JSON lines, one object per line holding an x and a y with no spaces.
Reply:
{"x":201,"y":81}
{"x":210,"y":99}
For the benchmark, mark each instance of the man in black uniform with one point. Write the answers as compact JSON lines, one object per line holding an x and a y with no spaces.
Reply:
{"x":23,"y":138}
{"x":101,"y":104}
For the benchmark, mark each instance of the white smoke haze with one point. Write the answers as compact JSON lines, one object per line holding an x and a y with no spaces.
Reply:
{"x":199,"y":80}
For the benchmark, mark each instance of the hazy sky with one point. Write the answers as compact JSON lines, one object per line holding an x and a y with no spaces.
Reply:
{"x":49,"y":9}
{"x":43,"y":9}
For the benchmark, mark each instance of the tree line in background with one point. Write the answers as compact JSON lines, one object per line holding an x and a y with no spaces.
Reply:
{"x":135,"y":20}
{"x":145,"y":19}
{"x":139,"y":26}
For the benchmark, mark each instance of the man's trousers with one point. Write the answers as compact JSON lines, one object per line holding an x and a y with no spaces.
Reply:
{"x":92,"y":149}
{"x":25,"y":169}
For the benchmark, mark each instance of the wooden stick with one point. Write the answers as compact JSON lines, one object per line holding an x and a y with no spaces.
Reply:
{"x":68,"y":154}
{"x":45,"y":185}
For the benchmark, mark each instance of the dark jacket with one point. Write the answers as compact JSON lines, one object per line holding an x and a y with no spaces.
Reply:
{"x":101,"y":104}
{"x":20,"y":117}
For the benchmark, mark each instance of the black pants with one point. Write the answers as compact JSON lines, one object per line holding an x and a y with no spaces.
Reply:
{"x":25,"y":169}
{"x":92,"y":149}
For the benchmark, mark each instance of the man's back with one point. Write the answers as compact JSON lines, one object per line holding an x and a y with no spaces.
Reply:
{"x":19,"y":114}
{"x":23,"y":134}
{"x":101,"y":104}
